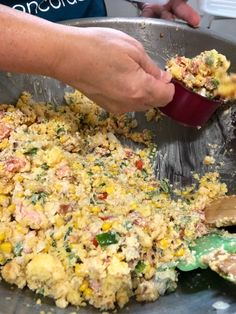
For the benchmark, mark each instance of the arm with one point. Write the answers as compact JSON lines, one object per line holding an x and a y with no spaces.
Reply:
{"x":108,"y":66}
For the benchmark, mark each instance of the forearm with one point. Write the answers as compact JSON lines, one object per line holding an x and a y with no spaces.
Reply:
{"x":28,"y":44}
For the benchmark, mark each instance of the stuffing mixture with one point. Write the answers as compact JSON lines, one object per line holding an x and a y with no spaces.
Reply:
{"x":205,"y":74}
{"x":82,"y":217}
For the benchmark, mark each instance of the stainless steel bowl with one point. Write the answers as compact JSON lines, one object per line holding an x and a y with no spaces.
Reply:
{"x":181,"y":152}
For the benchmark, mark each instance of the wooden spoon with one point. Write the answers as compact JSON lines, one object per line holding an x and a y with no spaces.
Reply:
{"x":221,"y":212}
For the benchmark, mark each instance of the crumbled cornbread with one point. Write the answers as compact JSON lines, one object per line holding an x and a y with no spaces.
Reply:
{"x":82,"y":217}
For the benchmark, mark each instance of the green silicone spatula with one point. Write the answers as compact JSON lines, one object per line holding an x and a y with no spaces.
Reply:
{"x":205,"y":247}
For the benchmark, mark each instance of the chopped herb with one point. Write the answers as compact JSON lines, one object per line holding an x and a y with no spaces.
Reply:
{"x":144,"y":174}
{"x":215,"y":83}
{"x":54,"y":243}
{"x":68,"y":232}
{"x":103,"y":115}
{"x":106,"y":238}
{"x":40,"y":291}
{"x":128,"y":225}
{"x":39,"y":197}
{"x":72,"y":257}
{"x":151,"y":194}
{"x":168,"y":265}
{"x":81,"y":117}
{"x":123,"y":165}
{"x":99,"y":163}
{"x":209,"y":60}
{"x":90,"y":173}
{"x":60,"y":131}
{"x":32,"y":151}
{"x":45,"y":166}
{"x":68,"y":249}
{"x":39,"y":176}
{"x":139,"y":268}
{"x":92,"y":201}
{"x":18,"y":249}
{"x":165,"y":186}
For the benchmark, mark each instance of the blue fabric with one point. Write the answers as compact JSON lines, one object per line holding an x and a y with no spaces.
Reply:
{"x":59,"y":10}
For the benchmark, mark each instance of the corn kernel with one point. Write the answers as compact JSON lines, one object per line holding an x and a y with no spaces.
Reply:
{"x":180,"y":252}
{"x":95,"y":169}
{"x":84,"y":286}
{"x":6,"y":247}
{"x":59,"y":221}
{"x":188,"y":233}
{"x":157,"y":204}
{"x":106,"y":226}
{"x":20,"y":194}
{"x":58,"y":235}
{"x":75,"y":224}
{"x":142,"y":153}
{"x":19,"y":178}
{"x":21,"y":229}
{"x":63,"y":138}
{"x":110,"y":189}
{"x":11,"y":208}
{"x":2,"y":236}
{"x":3,"y":198}
{"x":38,"y":207}
{"x":164,"y":244}
{"x":95,"y":209}
{"x":133,"y":206}
{"x":88,"y":292}
{"x":78,"y":269}
{"x":4,"y":143}
{"x":150,"y":188}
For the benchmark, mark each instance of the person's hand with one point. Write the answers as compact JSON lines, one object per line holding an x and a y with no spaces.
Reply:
{"x":112,"y":69}
{"x":108,"y":66}
{"x":173,"y":9}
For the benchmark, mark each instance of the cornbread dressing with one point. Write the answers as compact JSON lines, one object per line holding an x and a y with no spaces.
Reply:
{"x":82,"y":217}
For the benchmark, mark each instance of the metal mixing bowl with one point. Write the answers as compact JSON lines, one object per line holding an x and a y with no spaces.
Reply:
{"x":181,"y":152}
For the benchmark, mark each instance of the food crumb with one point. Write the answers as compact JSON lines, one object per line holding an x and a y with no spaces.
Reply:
{"x":38,"y":302}
{"x":209,"y":160}
{"x":8,"y":298}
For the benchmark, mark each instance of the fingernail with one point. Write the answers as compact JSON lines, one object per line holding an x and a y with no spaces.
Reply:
{"x":166,"y":76}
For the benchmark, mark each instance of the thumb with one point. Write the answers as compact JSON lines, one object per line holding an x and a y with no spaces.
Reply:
{"x":151,"y":68}
{"x":161,"y":93}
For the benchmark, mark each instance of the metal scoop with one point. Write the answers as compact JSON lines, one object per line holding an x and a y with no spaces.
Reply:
{"x":190,"y":108}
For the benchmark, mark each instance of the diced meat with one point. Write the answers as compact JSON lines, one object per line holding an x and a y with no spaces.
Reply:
{"x":63,"y":171}
{"x":17,"y":165}
{"x":4,"y":131}
{"x":63,"y":209}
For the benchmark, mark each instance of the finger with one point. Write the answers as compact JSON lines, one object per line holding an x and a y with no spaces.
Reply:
{"x":185,"y":12}
{"x":161,"y":93}
{"x":149,"y":66}
{"x":167,"y":15}
{"x":151,"y":10}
